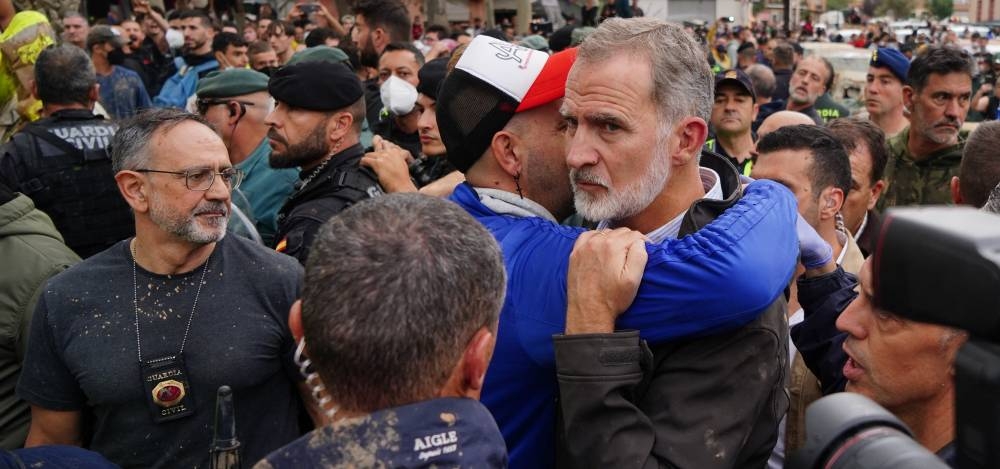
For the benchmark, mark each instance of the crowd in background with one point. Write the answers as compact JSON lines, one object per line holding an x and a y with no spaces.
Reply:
{"x":634,"y":240}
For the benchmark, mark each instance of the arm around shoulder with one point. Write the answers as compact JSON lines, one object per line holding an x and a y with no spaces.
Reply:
{"x":722,"y":276}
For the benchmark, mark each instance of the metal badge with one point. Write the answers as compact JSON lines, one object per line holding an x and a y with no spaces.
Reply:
{"x":167,"y":389}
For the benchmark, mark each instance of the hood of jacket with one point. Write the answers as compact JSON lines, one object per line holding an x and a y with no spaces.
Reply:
{"x":19,"y":217}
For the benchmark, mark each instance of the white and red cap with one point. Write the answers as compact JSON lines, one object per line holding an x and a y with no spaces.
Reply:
{"x":492,"y":81}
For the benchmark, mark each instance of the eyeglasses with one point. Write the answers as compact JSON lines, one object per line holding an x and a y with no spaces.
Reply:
{"x":201,"y":179}
{"x":202,"y":105}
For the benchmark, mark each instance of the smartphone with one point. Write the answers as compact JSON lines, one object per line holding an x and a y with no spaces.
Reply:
{"x":308,"y":8}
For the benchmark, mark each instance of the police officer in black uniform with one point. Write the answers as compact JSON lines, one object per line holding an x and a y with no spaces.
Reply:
{"x":316,"y":126}
{"x":60,"y":161}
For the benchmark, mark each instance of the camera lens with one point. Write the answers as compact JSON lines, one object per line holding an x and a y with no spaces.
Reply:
{"x":880,"y":447}
{"x":847,"y":430}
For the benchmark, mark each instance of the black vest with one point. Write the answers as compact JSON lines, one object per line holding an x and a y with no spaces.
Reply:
{"x":66,"y":171}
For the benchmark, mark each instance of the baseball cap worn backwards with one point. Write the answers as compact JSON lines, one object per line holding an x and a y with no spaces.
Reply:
{"x":894,"y":60}
{"x":491,"y":82}
{"x":316,"y":86}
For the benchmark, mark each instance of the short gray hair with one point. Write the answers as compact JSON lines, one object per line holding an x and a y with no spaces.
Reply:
{"x":682,"y":81}
{"x":763,"y":80}
{"x":130,"y":145}
{"x":395,"y":289}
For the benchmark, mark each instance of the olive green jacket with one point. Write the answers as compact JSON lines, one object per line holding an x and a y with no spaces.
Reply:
{"x":32,"y":251}
{"x":924,"y":182}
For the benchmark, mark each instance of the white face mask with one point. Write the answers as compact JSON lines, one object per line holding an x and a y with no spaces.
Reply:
{"x":175,"y":38}
{"x":398,"y":96}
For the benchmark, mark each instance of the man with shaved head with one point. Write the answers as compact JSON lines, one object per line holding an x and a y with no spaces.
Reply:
{"x":781,"y":119}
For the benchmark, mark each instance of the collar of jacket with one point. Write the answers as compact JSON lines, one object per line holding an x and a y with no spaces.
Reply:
{"x":945,"y":157}
{"x":75,"y":114}
{"x":703,"y":211}
{"x":340,"y":163}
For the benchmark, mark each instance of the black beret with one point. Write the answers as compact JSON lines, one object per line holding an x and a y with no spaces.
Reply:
{"x":316,"y":86}
{"x":431,"y":75}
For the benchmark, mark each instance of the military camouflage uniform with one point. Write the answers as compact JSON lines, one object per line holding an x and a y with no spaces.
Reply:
{"x":924,"y":182}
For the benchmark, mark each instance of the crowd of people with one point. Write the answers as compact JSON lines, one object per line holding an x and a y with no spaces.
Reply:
{"x":620,"y":244}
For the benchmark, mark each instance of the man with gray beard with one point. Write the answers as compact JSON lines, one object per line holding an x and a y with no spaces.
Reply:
{"x":142,"y":335}
{"x":498,"y":115}
{"x":635,"y":156}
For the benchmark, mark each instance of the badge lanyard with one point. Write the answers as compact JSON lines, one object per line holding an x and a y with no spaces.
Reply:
{"x":165,"y":379}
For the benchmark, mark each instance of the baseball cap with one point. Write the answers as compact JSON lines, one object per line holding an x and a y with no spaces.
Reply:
{"x":101,"y":34}
{"x":736,"y":76}
{"x":491,"y":82}
{"x":894,"y":60}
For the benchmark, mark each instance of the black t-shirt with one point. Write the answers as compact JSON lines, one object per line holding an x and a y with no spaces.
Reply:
{"x":82,"y":352}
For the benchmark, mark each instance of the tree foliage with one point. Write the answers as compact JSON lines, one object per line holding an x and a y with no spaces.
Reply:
{"x":832,"y":5}
{"x":899,"y":9}
{"x":941,"y":9}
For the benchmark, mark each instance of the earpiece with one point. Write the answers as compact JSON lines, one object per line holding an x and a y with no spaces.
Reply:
{"x":233,"y":109}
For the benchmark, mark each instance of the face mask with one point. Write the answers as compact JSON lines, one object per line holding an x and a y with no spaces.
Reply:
{"x":268,"y":70}
{"x":116,"y":56}
{"x":398,"y":96}
{"x":175,"y":38}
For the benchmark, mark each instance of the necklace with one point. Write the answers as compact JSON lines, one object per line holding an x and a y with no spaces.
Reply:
{"x":135,"y":303}
{"x":165,"y":378}
{"x":299,"y":186}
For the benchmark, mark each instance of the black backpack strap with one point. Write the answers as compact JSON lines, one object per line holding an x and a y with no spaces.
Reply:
{"x":360,"y":180}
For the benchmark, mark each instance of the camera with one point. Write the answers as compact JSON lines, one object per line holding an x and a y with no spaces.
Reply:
{"x":937,"y":265}
{"x":847,"y":430}
{"x":308,"y":8}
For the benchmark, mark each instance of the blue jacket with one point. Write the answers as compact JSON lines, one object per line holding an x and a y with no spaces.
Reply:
{"x":182,"y":85}
{"x":717,"y":279}
{"x":823,"y":298}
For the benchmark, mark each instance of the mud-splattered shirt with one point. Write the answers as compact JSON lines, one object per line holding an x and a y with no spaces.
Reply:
{"x":447,"y":432}
{"x":82,"y":351}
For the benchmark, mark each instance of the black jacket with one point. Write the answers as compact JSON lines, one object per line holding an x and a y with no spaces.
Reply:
{"x":823,"y":298}
{"x":707,"y":402}
{"x":61,"y":162}
{"x":339,"y":185}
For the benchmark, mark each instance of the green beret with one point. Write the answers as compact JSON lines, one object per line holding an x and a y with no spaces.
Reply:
{"x":321,"y":53}
{"x":535,"y":42}
{"x":579,"y":34}
{"x":231,"y":82}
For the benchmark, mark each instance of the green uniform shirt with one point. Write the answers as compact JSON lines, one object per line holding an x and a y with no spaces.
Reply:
{"x":925,"y":182}
{"x":829,"y":109}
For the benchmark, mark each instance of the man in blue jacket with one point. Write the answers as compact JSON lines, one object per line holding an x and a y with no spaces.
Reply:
{"x":499,"y":119}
